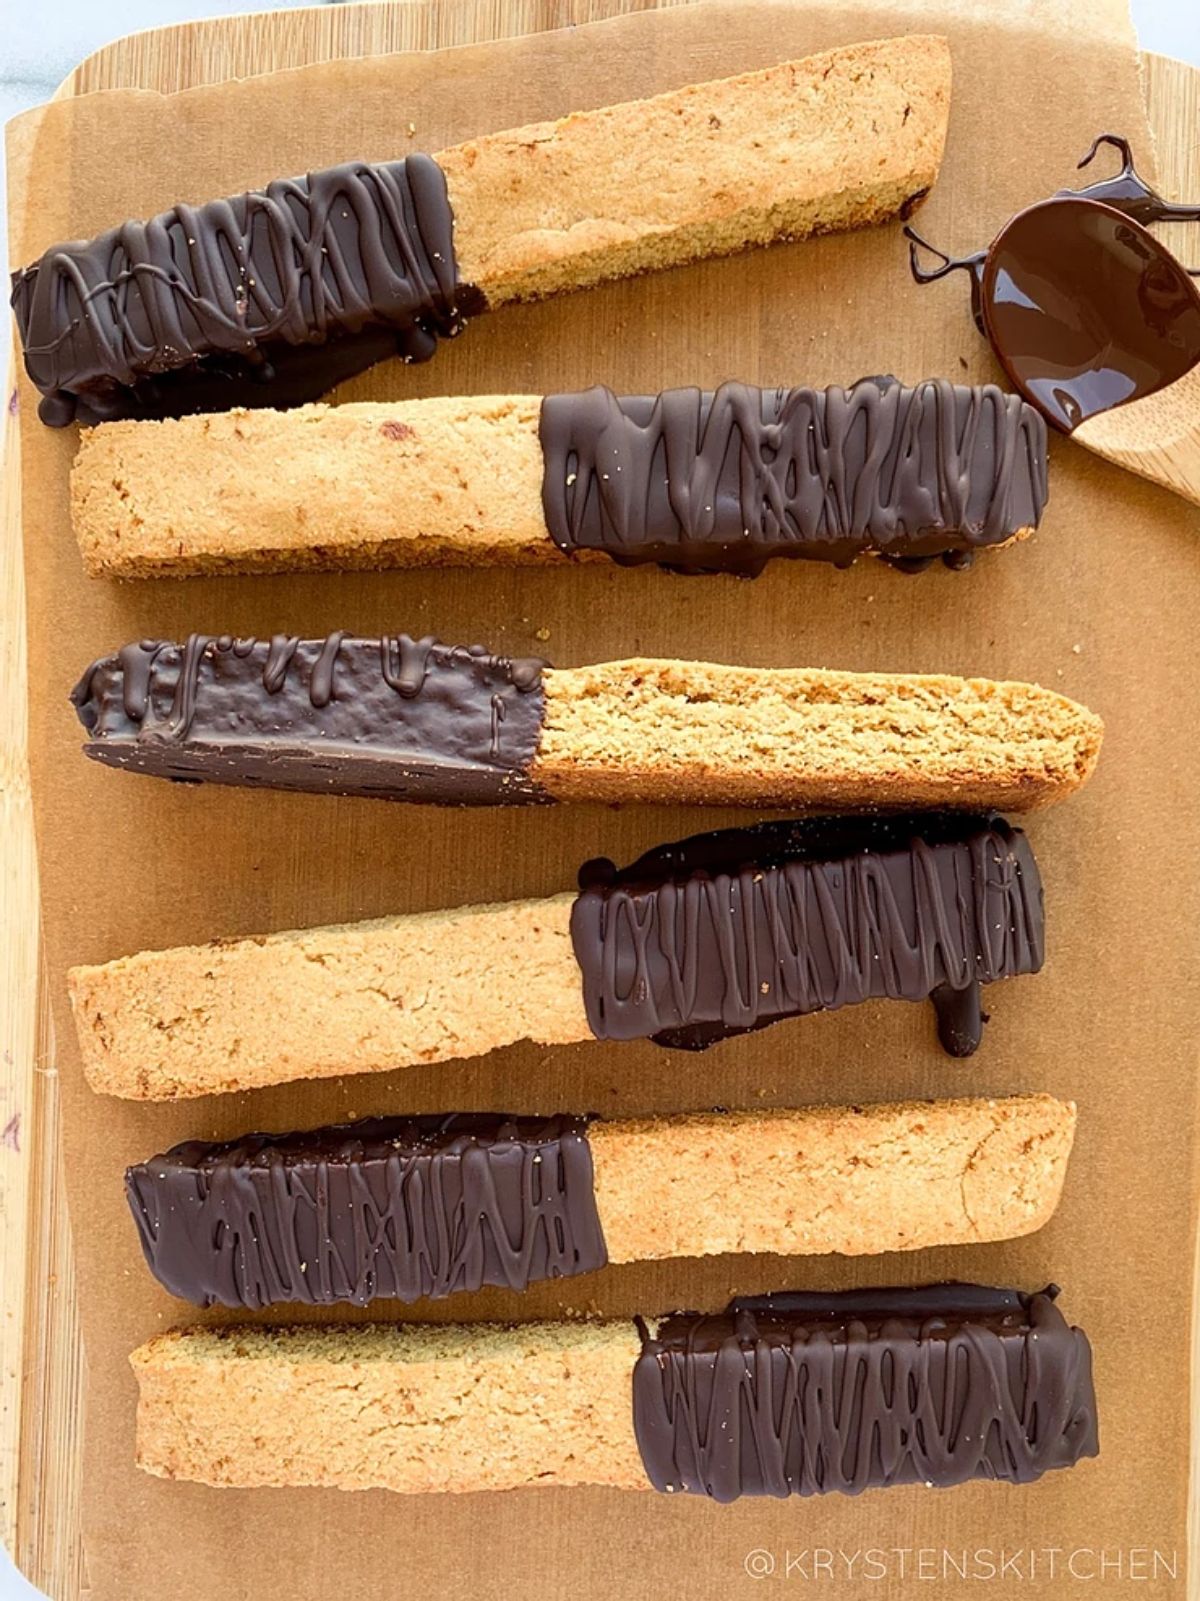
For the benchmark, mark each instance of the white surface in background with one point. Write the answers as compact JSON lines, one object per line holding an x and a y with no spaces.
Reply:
{"x":1170,"y":27}
{"x":35,"y":60}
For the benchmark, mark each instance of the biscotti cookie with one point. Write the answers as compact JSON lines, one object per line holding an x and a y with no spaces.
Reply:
{"x":719,"y":1405}
{"x":418,"y":720}
{"x":695,"y":482}
{"x":273,"y":297}
{"x":414,"y":1207}
{"x":694,"y":942}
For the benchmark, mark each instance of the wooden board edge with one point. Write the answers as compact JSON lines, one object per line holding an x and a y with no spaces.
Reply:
{"x":43,"y":1373}
{"x":1172,"y":90}
{"x":196,"y":53}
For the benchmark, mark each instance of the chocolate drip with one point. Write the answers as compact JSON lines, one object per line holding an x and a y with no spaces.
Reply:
{"x":411,"y":656}
{"x":205,"y":307}
{"x":183,"y":705}
{"x":960,"y":1017}
{"x":405,"y":663}
{"x":392,"y":1207}
{"x":723,"y":482}
{"x":831,"y":1393}
{"x":732,"y":931}
{"x":320,"y":685}
{"x":136,"y":663}
{"x":402,"y":718}
{"x":279,"y":658}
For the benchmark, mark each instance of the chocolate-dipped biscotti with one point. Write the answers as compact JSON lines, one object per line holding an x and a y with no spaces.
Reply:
{"x":418,"y":720}
{"x":427,"y":1206}
{"x":275,"y":296}
{"x":695,"y":482}
{"x":716,"y":935}
{"x":795,"y":1394}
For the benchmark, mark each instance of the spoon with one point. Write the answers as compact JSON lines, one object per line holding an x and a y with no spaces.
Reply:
{"x":1098,"y":325}
{"x":1095,"y":322}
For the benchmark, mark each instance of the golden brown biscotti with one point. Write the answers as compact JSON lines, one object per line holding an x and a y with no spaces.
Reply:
{"x":851,"y":1180}
{"x":839,"y":140}
{"x":449,"y":1408}
{"x":699,"y":938}
{"x":737,"y":1403}
{"x":806,"y":737}
{"x":167,"y":1025}
{"x":226,"y":711}
{"x":393,"y":1208}
{"x":498,"y":480}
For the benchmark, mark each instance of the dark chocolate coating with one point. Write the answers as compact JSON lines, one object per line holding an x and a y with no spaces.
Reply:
{"x":723,"y":482}
{"x":732,"y":931}
{"x":218,"y":305}
{"x":393,"y":717}
{"x":391,"y":1207}
{"x":934,"y":1386}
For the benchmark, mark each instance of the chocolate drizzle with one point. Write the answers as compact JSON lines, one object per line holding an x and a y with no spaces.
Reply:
{"x":279,"y":658}
{"x":1085,"y":309}
{"x":732,"y":931}
{"x":392,"y":1207}
{"x":210,"y":306}
{"x":1127,"y":190}
{"x":408,"y":719}
{"x":320,"y":683}
{"x":811,"y":1394}
{"x":723,"y":482}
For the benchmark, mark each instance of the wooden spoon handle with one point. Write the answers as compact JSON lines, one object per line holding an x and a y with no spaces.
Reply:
{"x":1157,"y":437}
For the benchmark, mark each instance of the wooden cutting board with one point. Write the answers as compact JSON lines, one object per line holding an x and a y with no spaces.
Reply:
{"x":40,"y":1356}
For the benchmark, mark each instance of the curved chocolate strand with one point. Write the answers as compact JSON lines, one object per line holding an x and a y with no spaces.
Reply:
{"x":1128,"y":191}
{"x":972,"y":265}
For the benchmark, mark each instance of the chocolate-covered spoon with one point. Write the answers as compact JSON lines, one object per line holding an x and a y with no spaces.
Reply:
{"x":1086,"y":310}
{"x":1097,"y":323}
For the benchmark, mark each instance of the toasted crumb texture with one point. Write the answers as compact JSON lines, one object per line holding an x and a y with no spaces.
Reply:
{"x":317,"y":1003}
{"x":404,"y":484}
{"x":693,"y":731}
{"x":838,"y":140}
{"x":853,"y":1180}
{"x":409,"y":1408}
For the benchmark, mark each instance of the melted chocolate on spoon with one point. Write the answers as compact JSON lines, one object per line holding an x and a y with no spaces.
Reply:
{"x":1084,"y":308}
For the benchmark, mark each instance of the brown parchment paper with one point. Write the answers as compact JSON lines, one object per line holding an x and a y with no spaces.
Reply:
{"x":1102,"y":604}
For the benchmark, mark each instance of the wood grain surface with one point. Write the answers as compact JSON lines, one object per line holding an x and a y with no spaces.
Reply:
{"x":40,"y":1355}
